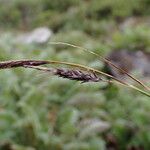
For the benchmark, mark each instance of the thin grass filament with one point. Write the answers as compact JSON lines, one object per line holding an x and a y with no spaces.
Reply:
{"x":106,"y":61}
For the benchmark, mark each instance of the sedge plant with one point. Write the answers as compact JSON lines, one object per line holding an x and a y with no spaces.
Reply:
{"x":77,"y":71}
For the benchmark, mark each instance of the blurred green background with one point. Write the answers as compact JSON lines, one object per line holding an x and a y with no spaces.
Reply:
{"x":41,"y":112}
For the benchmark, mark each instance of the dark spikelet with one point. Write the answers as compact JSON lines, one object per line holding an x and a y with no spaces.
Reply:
{"x":71,"y":74}
{"x":20,"y":63}
{"x":77,"y":75}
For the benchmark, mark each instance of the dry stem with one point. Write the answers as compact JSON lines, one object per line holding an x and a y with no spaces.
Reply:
{"x":89,"y":76}
{"x":106,"y":61}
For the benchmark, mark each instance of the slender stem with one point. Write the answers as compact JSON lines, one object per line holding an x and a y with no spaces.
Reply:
{"x":133,"y":87}
{"x":25,"y":63}
{"x":112,"y":81}
{"x":106,"y":61}
{"x":136,"y":88}
{"x":87,"y":68}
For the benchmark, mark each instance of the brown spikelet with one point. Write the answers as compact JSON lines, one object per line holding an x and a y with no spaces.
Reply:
{"x":77,"y":75}
{"x":84,"y":76}
{"x":20,"y":63}
{"x":71,"y":74}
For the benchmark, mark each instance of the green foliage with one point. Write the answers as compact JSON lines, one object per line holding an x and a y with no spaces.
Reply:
{"x":67,"y":13}
{"x":41,"y":112}
{"x":133,"y":38}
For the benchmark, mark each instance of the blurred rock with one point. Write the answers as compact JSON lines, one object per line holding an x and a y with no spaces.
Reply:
{"x":39,"y":35}
{"x":131,"y":61}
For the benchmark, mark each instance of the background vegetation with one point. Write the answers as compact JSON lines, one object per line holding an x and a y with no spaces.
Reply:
{"x":41,"y":112}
